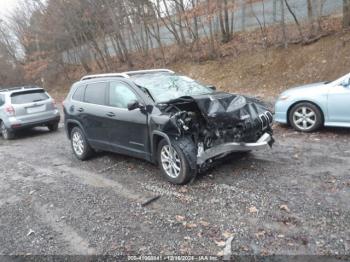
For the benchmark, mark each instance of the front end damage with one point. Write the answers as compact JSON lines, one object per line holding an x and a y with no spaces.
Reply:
{"x":219,"y":124}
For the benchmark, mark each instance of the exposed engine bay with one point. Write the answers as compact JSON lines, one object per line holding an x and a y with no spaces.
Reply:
{"x":218,"y":118}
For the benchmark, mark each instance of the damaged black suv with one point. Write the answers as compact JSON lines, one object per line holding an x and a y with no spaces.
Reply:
{"x":164,"y":118}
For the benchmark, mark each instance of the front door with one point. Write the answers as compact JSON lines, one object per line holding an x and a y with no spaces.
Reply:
{"x":128,"y":130}
{"x":339,"y":104}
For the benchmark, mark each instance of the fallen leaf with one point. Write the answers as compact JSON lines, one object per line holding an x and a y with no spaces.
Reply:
{"x":204,"y":223}
{"x":220,"y":243}
{"x":191,"y":225}
{"x":227,"y":234}
{"x":260,"y":234}
{"x":183,"y":190}
{"x":280,"y":236}
{"x":180,"y":218}
{"x":284,"y":208}
{"x":253,"y":209}
{"x":244,"y":248}
{"x":220,"y":254}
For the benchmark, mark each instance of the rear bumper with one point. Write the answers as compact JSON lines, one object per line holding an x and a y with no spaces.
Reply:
{"x":224,"y":149}
{"x":18,"y":125}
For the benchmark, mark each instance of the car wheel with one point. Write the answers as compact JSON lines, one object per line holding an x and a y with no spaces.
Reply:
{"x":5,"y":132}
{"x":174,"y":163}
{"x":53,"y":127}
{"x":305,"y":117}
{"x":80,"y":146}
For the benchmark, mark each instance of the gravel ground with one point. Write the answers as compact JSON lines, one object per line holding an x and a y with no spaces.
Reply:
{"x":293,"y":199}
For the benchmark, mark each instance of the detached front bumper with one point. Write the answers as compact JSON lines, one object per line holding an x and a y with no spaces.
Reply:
{"x":224,"y":149}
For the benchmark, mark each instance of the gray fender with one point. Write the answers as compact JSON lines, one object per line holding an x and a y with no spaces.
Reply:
{"x":154,"y":150}
{"x":71,"y":121}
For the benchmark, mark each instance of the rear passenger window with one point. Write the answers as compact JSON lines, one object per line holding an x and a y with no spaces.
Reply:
{"x":96,"y":93}
{"x":28,"y":97}
{"x":79,"y":94}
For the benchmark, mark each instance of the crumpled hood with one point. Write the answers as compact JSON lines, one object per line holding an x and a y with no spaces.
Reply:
{"x":229,"y":108}
{"x":218,"y":118}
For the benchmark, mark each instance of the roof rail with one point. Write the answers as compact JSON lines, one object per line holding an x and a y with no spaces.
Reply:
{"x":19,"y":88}
{"x":127,"y":74}
{"x":150,"y":71}
{"x":104,"y":75}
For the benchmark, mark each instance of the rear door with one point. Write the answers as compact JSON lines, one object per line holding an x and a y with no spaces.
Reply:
{"x":92,"y":113}
{"x":32,"y":105}
{"x":128,"y":130}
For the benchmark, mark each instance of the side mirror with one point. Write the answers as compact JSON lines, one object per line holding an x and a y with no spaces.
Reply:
{"x":212,"y":87}
{"x":133,"y":105}
{"x":345,"y":83}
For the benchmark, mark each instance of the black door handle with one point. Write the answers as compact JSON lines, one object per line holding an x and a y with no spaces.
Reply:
{"x":80,"y":109}
{"x":110,"y":114}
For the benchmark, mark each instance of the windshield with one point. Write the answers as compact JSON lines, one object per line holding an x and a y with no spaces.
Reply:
{"x":339,"y":80}
{"x":165,"y":87}
{"x":28,"y":97}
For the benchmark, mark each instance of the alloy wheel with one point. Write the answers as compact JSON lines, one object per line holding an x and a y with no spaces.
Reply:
{"x":4,"y":131}
{"x":78,"y":143}
{"x":304,"y":118}
{"x":170,"y":161}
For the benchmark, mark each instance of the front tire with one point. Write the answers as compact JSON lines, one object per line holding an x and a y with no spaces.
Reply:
{"x":80,"y":146}
{"x":174,"y":163}
{"x":53,"y":127}
{"x":5,"y":132}
{"x":305,"y":117}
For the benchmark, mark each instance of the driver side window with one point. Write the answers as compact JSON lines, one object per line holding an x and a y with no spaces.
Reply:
{"x":2,"y":100}
{"x":120,"y":95}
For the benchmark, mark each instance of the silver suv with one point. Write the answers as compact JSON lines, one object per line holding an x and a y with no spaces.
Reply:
{"x":26,"y":107}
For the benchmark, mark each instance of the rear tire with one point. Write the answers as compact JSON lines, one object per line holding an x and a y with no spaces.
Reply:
{"x":5,"y":132}
{"x":177,"y":166}
{"x":53,"y":127}
{"x":305,"y":117}
{"x":80,"y":146}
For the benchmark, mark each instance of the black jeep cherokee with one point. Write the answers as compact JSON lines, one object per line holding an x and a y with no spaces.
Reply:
{"x":164,"y":118}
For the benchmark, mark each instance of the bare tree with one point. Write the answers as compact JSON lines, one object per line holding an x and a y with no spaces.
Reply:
{"x":224,"y":20}
{"x":346,"y":13}
{"x":283,"y":25}
{"x":295,"y":20}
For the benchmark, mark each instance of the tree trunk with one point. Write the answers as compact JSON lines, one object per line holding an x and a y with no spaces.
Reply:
{"x":283,"y":24}
{"x":346,"y":13}
{"x":295,"y":19}
{"x":211,"y":33}
{"x":243,"y":2}
{"x":274,"y":10}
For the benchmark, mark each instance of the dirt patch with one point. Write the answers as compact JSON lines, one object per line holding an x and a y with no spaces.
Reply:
{"x":267,"y":73}
{"x":292,"y":200}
